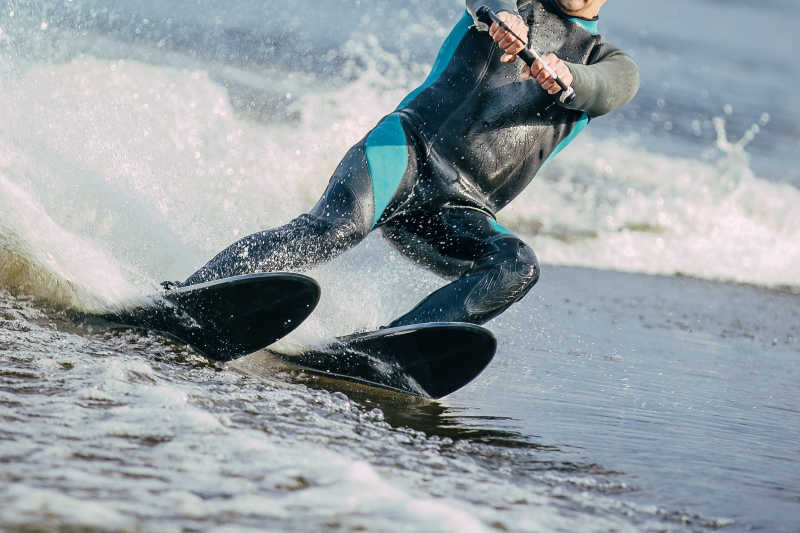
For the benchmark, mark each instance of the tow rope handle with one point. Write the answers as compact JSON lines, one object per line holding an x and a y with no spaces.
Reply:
{"x":528,"y":55}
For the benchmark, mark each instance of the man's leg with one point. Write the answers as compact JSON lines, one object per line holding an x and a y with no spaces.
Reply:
{"x":493,"y":268}
{"x":341,"y":218}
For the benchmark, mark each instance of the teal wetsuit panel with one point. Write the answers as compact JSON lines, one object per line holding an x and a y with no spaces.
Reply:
{"x":499,"y":228}
{"x":386,"y":147}
{"x":588,"y":25}
{"x":579,"y":127}
{"x":443,"y":58}
{"x":387,"y":157}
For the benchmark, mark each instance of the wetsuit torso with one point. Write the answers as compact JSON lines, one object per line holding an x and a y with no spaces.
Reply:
{"x":480,"y":133}
{"x":433,"y":173}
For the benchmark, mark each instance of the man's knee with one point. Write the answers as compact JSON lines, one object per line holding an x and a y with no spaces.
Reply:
{"x":513,"y":268}
{"x":527,"y":266}
{"x":505,"y":276}
{"x":517,"y":262}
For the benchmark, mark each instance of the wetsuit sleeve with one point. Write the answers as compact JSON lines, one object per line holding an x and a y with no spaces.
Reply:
{"x":495,"y":5}
{"x":610,"y":80}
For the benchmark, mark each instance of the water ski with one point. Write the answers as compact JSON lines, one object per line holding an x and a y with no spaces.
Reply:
{"x":226,"y":318}
{"x":430,"y":360}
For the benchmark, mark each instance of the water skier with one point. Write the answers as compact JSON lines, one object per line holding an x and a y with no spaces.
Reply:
{"x":433,"y":173}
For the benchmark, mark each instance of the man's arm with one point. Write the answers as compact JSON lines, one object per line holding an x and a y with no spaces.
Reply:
{"x":609,"y":81}
{"x":602,"y":86}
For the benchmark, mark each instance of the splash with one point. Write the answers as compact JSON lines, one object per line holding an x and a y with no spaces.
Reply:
{"x":152,"y":168}
{"x":40,"y":259}
{"x":135,"y":173}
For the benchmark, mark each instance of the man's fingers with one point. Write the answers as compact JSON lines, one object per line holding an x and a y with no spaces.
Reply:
{"x":498,"y":33}
{"x":541,"y":71}
{"x":541,"y":67}
{"x":512,"y":47}
{"x":541,"y":74}
{"x":561,"y":69}
{"x":510,"y":44}
{"x":551,"y":86}
{"x":516,"y":24}
{"x":553,"y":62}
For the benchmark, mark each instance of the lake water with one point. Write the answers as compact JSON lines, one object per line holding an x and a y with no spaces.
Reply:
{"x":649,"y":382}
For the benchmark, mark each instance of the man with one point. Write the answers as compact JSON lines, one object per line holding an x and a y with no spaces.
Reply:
{"x":433,"y":173}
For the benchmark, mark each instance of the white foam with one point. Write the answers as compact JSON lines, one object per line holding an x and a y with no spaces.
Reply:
{"x":611,"y":204}
{"x":23,"y":503}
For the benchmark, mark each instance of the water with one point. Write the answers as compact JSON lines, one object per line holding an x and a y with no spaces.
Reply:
{"x":137,"y":139}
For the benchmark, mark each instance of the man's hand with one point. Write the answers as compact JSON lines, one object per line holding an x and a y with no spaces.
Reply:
{"x":510,"y":45}
{"x":545,"y":80}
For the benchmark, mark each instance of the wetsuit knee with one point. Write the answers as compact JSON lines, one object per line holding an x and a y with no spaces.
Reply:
{"x":511,"y":270}
{"x":512,"y":253}
{"x":498,"y":278}
{"x":522,"y":261}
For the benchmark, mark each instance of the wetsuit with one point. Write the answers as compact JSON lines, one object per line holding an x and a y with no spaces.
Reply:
{"x":433,"y":173}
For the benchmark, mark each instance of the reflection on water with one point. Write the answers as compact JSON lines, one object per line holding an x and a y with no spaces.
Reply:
{"x":399,"y":410}
{"x":482,"y":437}
{"x":428,"y":416}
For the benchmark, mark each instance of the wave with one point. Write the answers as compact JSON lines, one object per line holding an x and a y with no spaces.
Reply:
{"x":608,"y":203}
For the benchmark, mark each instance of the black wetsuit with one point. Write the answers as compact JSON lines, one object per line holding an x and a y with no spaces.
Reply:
{"x":433,"y":173}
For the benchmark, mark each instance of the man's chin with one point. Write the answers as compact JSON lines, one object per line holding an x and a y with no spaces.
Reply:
{"x":570,"y":6}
